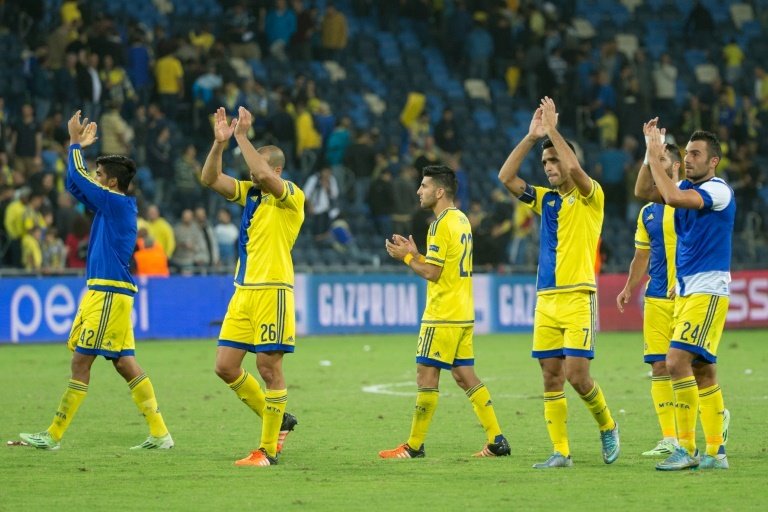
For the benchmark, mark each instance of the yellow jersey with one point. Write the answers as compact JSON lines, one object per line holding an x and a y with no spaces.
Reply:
{"x":449,"y":245}
{"x":656,"y":233}
{"x":570,"y":228}
{"x":268,"y":230}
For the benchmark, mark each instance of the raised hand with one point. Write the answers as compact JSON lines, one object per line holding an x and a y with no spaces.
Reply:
{"x":399,"y":247}
{"x":222,"y":130}
{"x":549,"y":113}
{"x":655,"y":142}
{"x":536,"y":129}
{"x":88,"y":135}
{"x":244,"y":121}
{"x":75,"y":127}
{"x":647,"y":127}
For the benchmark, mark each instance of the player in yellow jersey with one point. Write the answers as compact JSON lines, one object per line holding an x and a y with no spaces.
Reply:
{"x":566,"y":310}
{"x":655,"y":243}
{"x":445,"y":338}
{"x":260,"y":317}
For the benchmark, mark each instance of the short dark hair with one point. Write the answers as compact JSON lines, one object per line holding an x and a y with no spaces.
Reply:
{"x":444,"y":176}
{"x":713,"y":143}
{"x":674,"y":152}
{"x":547,"y":143}
{"x":120,"y":167}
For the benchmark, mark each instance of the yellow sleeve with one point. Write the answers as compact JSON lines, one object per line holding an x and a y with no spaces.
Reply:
{"x":438,"y":238}
{"x":292,"y":198}
{"x":596,"y":197}
{"x":642,"y":240}
{"x":241,"y":192}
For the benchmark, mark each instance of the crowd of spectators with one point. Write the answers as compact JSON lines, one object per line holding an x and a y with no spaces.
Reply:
{"x":152,"y":87}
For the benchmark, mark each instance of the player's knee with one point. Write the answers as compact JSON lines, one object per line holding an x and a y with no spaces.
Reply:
{"x":226,"y":373}
{"x":580,"y":381}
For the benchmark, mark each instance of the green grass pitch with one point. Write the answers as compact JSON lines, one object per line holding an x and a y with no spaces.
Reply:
{"x":353,"y":395}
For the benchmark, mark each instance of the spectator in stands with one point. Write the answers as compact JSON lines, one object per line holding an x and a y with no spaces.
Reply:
{"x":333,"y":32}
{"x":169,"y":79}
{"x":308,"y":140}
{"x":31,"y":250}
{"x":734,"y":57}
{"x":419,"y":130}
{"x":523,"y":229}
{"x":149,"y":259}
{"x":426,"y":156}
{"x":699,"y":26}
{"x":67,"y":94}
{"x":89,"y":85}
{"x":360,"y":158}
{"x":256,"y":99}
{"x":27,"y":143}
{"x":117,"y":85}
{"x":338,"y":142}
{"x":479,"y":47}
{"x":457,"y":25}
{"x":280,"y":26}
{"x":282,"y":128}
{"x":42,"y":85}
{"x":240,"y":28}
{"x":161,"y":231}
{"x":191,"y":251}
{"x":692,"y":117}
{"x":447,"y":134}
{"x":643,"y":71}
{"x":306,"y":27}
{"x":116,"y":134}
{"x":491,"y":242}
{"x":610,"y":170}
{"x":202,"y":39}
{"x":341,"y":239}
{"x":406,"y":202}
{"x":187,"y":190}
{"x":77,"y":242}
{"x":160,"y":160}
{"x":744,"y":178}
{"x":665,"y":81}
{"x":6,"y":197}
{"x":138,"y":67}
{"x":227,"y":235}
{"x":54,"y":252}
{"x":322,"y":193}
{"x":65,"y":215}
{"x":211,"y":253}
{"x":381,"y":198}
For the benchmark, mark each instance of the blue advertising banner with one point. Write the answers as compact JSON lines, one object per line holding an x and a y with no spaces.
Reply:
{"x":42,"y":309}
{"x":339,"y":304}
{"x":512,"y":303}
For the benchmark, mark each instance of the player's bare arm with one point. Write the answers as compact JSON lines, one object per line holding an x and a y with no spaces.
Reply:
{"x":645,"y":188}
{"x":670,"y":192}
{"x":637,"y":270}
{"x":402,"y":249}
{"x":258,"y":165}
{"x":508,"y":173}
{"x":212,"y":175}
{"x":569,"y":162}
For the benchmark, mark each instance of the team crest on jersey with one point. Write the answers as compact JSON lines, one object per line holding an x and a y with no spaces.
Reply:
{"x":571,"y":200}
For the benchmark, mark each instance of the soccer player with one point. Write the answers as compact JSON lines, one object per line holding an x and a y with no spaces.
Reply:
{"x":655,"y":243}
{"x":566,"y":309}
{"x":260,"y":317}
{"x":704,"y":214}
{"x":445,"y":338}
{"x":102,"y":326}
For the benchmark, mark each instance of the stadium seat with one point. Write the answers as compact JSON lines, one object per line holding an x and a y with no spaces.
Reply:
{"x":707,"y":73}
{"x":627,"y":44}
{"x":741,"y":13}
